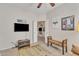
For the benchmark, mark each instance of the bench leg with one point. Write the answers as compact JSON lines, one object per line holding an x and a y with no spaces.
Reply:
{"x":51,"y":44}
{"x":18,"y":51}
{"x":63,"y":50}
{"x":48,"y":43}
{"x":66,"y":49}
{"x":66,"y":46}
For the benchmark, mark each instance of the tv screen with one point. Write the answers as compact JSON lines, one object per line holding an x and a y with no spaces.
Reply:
{"x":21,"y":27}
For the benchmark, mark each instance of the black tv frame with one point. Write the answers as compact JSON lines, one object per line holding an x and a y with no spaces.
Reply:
{"x":18,"y":27}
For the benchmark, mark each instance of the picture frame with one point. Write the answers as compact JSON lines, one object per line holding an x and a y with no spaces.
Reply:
{"x":67,"y":23}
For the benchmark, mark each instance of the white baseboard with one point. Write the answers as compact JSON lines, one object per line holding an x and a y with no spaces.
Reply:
{"x":6,"y":48}
{"x":33,"y":44}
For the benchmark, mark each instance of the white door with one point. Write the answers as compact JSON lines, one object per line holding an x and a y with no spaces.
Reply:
{"x":34,"y":33}
{"x":46,"y":30}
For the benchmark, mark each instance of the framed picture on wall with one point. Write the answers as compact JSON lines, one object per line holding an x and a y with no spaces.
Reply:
{"x":67,"y":23}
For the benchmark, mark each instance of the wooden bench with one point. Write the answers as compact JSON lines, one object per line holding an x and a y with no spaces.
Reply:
{"x":23,"y":43}
{"x":62,"y":44}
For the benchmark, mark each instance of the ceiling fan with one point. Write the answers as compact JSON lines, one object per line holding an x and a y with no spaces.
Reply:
{"x":39,"y":5}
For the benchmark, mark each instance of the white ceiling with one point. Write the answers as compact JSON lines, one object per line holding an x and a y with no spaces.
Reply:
{"x":45,"y":7}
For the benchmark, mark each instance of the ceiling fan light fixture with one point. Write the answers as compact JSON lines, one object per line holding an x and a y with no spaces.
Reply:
{"x":39,"y":5}
{"x":52,"y":4}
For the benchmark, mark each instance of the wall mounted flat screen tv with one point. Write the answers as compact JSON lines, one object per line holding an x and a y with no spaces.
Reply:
{"x":21,"y":27}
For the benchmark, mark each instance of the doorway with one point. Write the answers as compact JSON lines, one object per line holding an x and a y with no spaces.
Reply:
{"x":41,"y":31}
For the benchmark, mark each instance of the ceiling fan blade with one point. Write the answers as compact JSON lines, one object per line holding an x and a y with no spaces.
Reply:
{"x":39,"y":5}
{"x":52,"y":4}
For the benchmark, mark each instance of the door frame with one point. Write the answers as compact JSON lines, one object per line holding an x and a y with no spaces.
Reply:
{"x":34,"y":33}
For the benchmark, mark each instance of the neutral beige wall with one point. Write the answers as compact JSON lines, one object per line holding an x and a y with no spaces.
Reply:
{"x":8,"y":16}
{"x":64,"y":11}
